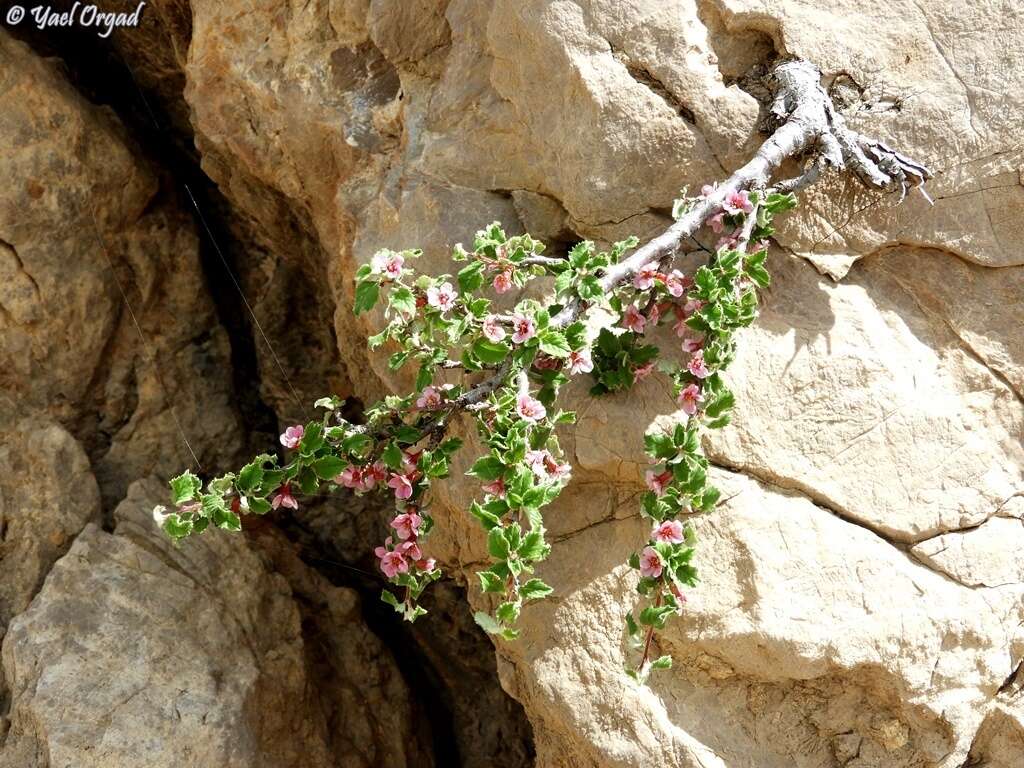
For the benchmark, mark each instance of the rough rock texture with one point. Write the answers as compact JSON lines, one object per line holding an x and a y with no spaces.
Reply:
{"x":862,"y":601}
{"x":84,"y":218}
{"x":196,"y":656}
{"x":877,"y":414}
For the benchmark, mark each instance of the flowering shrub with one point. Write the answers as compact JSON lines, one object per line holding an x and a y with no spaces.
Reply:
{"x":508,"y":368}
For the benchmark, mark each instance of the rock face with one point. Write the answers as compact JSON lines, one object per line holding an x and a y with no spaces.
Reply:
{"x":102,"y":328}
{"x":195,"y":656}
{"x":863,"y":584}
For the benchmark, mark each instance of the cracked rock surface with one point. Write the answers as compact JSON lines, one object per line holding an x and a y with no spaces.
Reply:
{"x":862,"y":600}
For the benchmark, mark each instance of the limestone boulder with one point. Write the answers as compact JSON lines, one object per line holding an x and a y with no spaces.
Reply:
{"x":137,"y":652}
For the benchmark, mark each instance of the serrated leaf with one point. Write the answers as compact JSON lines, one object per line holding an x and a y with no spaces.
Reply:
{"x":328,"y":467}
{"x":490,"y":352}
{"x":535,"y":589}
{"x":491,"y":582}
{"x":367,"y":293}
{"x":487,"y":468}
{"x":184,"y":487}
{"x":497,"y":543}
{"x":554,"y":343}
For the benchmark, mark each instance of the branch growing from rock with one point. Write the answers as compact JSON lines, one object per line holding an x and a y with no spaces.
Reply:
{"x":402,"y":445}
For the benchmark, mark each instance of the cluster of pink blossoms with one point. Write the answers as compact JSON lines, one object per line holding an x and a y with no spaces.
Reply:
{"x":388,"y":265}
{"x":406,"y":554}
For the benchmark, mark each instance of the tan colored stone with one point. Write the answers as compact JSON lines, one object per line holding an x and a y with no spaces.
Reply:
{"x":137,"y":652}
{"x":83,"y":219}
{"x":47,"y":495}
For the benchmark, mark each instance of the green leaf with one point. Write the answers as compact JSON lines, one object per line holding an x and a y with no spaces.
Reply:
{"x":258,"y":506}
{"x":184,"y":487}
{"x":631,"y":626}
{"x":403,"y":301}
{"x":356,"y":443}
{"x":392,"y":456}
{"x":176,"y":527}
{"x":487,"y":519}
{"x":367,"y":293}
{"x":507,"y":613}
{"x":490,"y":352}
{"x":759,"y":275}
{"x":387,"y":597}
{"x":487,"y":623}
{"x":497,"y":544}
{"x":487,"y":468}
{"x":535,"y":589}
{"x":662,"y":662}
{"x":328,"y":467}
{"x":471,"y":277}
{"x":329,"y":403}
{"x":534,"y":547}
{"x":450,"y":446}
{"x":555,"y":344}
{"x":491,"y":582}
{"x":312,"y":438}
{"x":227,"y":520}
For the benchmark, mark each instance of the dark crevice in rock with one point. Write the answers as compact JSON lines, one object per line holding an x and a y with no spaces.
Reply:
{"x":645,"y":77}
{"x":97,"y":70}
{"x":444,"y":658}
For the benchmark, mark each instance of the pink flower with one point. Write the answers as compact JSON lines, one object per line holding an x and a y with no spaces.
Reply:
{"x":503,"y":282}
{"x":708,"y":190}
{"x":429,"y":564}
{"x":691,"y":306}
{"x":492,"y":329}
{"x":530,"y":408}
{"x":689,"y":398}
{"x":670,"y":531}
{"x":545,"y":466}
{"x":546,"y":363}
{"x":696,"y":365}
{"x":738,"y":202}
{"x":523,"y":328}
{"x":388,"y":264}
{"x":402,"y":486}
{"x":658,"y":483}
{"x":716,"y":222}
{"x":678,"y":594}
{"x":646,"y":276}
{"x":392,"y":563}
{"x":410,"y":462}
{"x":292,"y":436}
{"x":729,"y":241}
{"x":495,"y":488}
{"x":373,"y":474}
{"x":681,"y":328}
{"x":441,"y":297}
{"x":580,"y":361}
{"x":654,"y":315}
{"x":410,"y":549}
{"x":407,"y":525}
{"x":633,"y":320}
{"x":675,"y":283}
{"x":350,"y":477}
{"x":650,"y":563}
{"x":284,"y":498}
{"x":536,"y":461}
{"x":430,"y":398}
{"x":641,"y":372}
{"x":691,"y":345}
